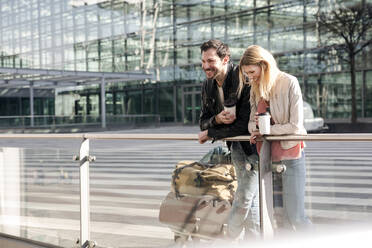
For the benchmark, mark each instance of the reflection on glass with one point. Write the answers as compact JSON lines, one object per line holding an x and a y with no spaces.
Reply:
{"x":128,"y":184}
{"x":337,"y":186}
{"x":39,"y":197}
{"x":164,"y":36}
{"x":10,"y":191}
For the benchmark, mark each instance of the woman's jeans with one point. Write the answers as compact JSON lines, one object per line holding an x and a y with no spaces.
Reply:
{"x":294,"y":194}
{"x":245,"y":212}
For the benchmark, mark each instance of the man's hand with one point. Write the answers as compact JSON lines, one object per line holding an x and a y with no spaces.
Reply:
{"x":225,"y":118}
{"x":253,"y":137}
{"x":203,"y":136}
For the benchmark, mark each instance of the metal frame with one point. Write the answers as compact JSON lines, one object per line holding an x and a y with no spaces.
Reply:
{"x":84,"y":193}
{"x":266,"y":191}
{"x":22,"y":75}
{"x":49,"y":79}
{"x":138,"y":136}
{"x":193,"y":94}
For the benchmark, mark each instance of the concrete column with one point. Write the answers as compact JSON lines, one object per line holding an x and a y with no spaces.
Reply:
{"x":32,"y":103}
{"x":103,"y":103}
{"x":174,"y":102}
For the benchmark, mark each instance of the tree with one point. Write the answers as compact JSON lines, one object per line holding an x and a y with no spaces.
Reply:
{"x":352,"y":24}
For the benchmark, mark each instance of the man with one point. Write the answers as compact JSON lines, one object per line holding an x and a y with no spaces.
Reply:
{"x":221,"y":86}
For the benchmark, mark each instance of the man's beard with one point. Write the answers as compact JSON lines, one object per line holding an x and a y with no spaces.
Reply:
{"x":214,"y":75}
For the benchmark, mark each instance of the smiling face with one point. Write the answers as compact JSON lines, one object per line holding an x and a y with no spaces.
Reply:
{"x":253,"y":72}
{"x":212,"y":65}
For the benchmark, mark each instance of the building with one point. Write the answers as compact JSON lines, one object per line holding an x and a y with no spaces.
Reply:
{"x":162,"y":37}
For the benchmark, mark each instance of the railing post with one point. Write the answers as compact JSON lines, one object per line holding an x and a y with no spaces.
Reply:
{"x":84,"y":158}
{"x":266,"y":191}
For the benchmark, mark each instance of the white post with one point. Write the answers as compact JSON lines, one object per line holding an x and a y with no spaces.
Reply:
{"x":266,"y":191}
{"x":32,"y":103}
{"x":84,"y":194}
{"x":103,"y":103}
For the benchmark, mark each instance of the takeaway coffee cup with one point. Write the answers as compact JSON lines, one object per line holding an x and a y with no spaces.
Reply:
{"x":230,"y":107}
{"x":264,"y":123}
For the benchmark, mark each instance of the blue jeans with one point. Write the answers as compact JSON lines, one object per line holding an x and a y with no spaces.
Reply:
{"x":294,"y":194}
{"x":245,"y":212}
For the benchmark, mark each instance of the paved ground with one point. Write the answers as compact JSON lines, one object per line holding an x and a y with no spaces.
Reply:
{"x":39,"y":187}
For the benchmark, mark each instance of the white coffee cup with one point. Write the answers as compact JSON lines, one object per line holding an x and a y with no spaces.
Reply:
{"x":231,"y":110}
{"x":264,"y":123}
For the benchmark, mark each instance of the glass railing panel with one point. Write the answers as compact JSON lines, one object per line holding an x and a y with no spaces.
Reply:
{"x":128,"y":182}
{"x":39,"y":191}
{"x":39,"y":188}
{"x":338,"y":188}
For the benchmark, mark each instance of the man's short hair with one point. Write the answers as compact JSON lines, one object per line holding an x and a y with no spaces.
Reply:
{"x":222,"y":49}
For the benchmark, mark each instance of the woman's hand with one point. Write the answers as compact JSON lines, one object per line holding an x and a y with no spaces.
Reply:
{"x":253,"y":137}
{"x":256,"y":118}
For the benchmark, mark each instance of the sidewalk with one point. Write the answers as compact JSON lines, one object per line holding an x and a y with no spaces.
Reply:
{"x":166,"y":128}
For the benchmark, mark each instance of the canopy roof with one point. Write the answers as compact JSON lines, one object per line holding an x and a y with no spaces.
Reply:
{"x":40,"y":78}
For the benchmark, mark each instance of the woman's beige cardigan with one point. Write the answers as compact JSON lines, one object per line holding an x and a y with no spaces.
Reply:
{"x":286,"y":109}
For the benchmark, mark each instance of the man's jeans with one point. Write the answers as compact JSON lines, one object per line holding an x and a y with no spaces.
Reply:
{"x":245,"y":209}
{"x":294,"y":194}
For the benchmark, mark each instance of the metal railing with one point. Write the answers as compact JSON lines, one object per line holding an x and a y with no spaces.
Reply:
{"x":63,"y":121}
{"x":265,"y":169}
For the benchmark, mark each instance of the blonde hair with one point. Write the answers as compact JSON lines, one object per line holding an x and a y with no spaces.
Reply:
{"x":256,"y":55}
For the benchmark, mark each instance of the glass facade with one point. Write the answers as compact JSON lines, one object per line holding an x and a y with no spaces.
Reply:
{"x":162,"y":37}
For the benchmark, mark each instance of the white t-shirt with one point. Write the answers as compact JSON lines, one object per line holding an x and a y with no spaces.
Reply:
{"x":220,"y":90}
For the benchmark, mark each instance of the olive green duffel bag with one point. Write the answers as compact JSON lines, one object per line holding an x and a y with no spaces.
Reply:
{"x":196,"y":178}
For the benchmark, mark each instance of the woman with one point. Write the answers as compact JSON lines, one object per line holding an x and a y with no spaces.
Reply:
{"x":280,"y":93}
